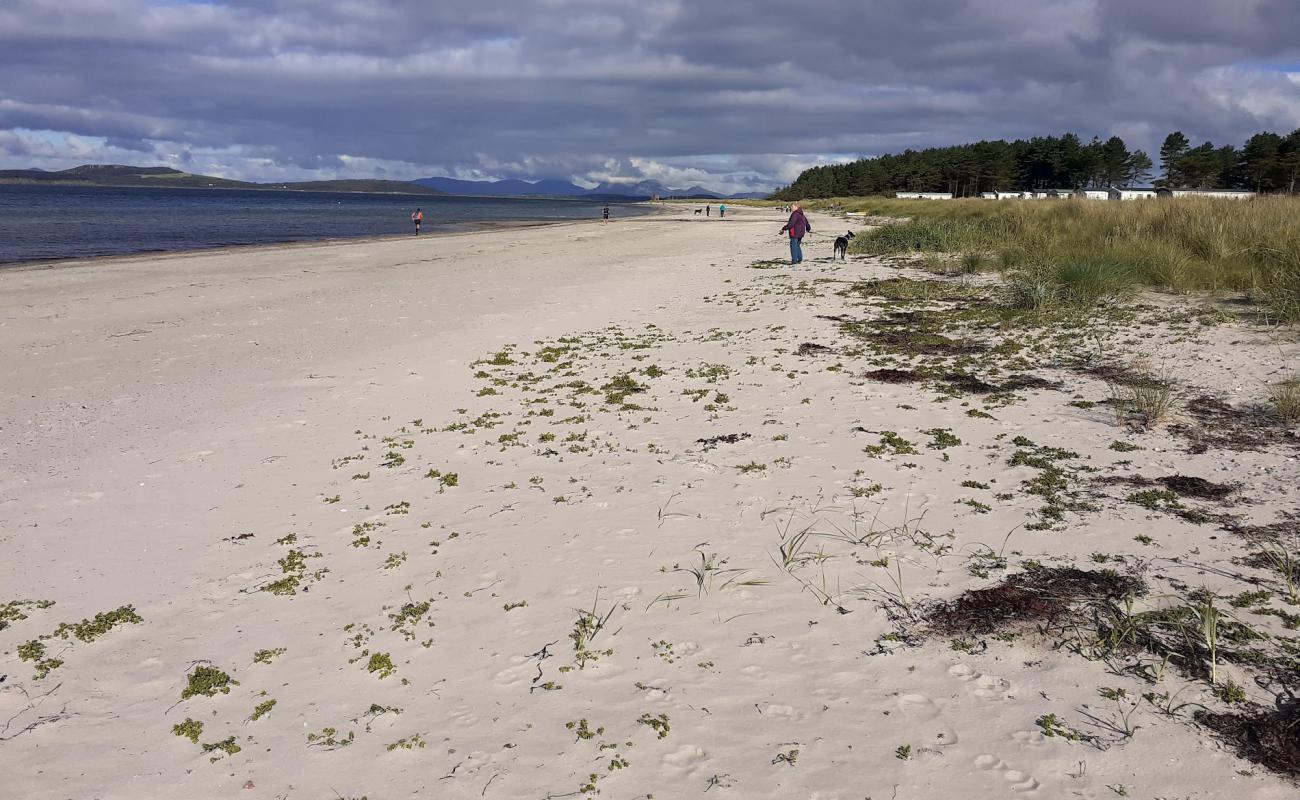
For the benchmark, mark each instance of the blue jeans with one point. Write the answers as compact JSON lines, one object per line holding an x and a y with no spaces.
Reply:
{"x":796,"y":253}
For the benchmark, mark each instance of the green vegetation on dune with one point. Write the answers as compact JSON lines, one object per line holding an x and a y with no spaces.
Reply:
{"x":1087,"y":251}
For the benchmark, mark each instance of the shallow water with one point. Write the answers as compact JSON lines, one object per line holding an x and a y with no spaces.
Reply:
{"x":58,"y":222}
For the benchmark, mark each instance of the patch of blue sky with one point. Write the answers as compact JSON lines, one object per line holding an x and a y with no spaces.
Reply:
{"x":1291,"y":67}
{"x":59,"y":138}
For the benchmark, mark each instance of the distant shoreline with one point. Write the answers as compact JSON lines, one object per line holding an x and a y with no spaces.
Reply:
{"x":595,"y":199}
{"x":60,"y":262}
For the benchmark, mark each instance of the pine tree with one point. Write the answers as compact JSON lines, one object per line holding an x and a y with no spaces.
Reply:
{"x":1261,"y":168}
{"x":1172,"y":152}
{"x":1138,"y":168}
{"x":1113,"y":163}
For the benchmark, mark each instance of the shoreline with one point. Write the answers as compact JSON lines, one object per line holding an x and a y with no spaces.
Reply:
{"x":463,"y":228}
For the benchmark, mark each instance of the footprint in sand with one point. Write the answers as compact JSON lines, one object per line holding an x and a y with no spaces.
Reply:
{"x":463,"y":716}
{"x":923,"y":713}
{"x":1017,"y":781}
{"x":989,"y":687}
{"x":1029,"y":738}
{"x":684,"y":760}
{"x":521,"y":672}
{"x":781,"y":712}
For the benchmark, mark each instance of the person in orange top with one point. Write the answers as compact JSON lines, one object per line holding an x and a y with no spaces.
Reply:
{"x":417,"y":216}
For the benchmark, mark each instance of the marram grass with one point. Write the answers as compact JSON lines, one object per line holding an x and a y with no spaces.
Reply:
{"x":1092,"y":250}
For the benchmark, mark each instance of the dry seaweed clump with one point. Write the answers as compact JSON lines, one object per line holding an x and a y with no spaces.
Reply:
{"x":894,"y":376}
{"x":1038,"y":593}
{"x":1270,"y":738}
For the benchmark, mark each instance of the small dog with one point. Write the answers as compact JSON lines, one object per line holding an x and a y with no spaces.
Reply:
{"x":842,"y":246}
{"x":699,"y":211}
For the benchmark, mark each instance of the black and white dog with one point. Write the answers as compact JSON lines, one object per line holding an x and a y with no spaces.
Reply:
{"x":842,"y":245}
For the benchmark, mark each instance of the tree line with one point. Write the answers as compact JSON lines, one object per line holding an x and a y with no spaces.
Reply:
{"x":1268,"y":162}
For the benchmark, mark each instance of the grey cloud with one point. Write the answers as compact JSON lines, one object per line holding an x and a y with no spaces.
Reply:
{"x":279,"y":88}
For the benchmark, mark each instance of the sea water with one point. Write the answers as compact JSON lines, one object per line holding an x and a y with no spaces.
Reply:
{"x":59,"y":222}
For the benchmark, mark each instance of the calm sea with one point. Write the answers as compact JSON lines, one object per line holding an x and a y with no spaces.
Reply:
{"x":55,"y":222}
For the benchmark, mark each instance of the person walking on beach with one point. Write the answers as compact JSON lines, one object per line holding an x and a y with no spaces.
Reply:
{"x":708,"y":210}
{"x":604,"y":216}
{"x":722,"y":211}
{"x":797,"y":226}
{"x":417,"y":216}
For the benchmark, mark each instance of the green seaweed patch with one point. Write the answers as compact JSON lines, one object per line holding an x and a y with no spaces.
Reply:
{"x":191,"y":729}
{"x":446,"y":480}
{"x":381,"y":664}
{"x":207,"y":681}
{"x":267,"y":656}
{"x":34,"y":651}
{"x":943,"y":438}
{"x":262,"y":709}
{"x":657,"y":723}
{"x":15,"y":610}
{"x":1053,"y":483}
{"x":226,"y":746}
{"x":890,"y":444}
{"x":88,"y":630}
{"x":329,"y":739}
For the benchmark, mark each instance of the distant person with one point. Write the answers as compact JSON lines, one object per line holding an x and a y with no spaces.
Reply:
{"x":417,"y":216}
{"x":797,"y":227}
{"x":722,"y":211}
{"x":708,"y":209}
{"x":604,"y":215}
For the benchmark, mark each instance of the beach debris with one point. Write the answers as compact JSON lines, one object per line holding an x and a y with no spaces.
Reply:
{"x":812,"y":349}
{"x":726,"y":438}
{"x":1019,"y":382}
{"x":966,"y":383}
{"x":1038,"y":593}
{"x":1188,"y":486}
{"x":1268,"y":737}
{"x":894,"y":376}
{"x":1180,"y":485}
{"x":1215,"y":423}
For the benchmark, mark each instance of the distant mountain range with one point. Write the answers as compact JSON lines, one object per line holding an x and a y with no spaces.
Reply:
{"x":120,"y":175}
{"x":155,"y":177}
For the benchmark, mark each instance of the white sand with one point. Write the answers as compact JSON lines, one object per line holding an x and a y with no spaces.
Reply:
{"x":156,"y":407}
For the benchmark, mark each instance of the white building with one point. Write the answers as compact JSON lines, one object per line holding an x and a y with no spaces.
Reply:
{"x":922,"y":196}
{"x":1092,"y":194}
{"x":1225,"y":194}
{"x":1132,"y":194}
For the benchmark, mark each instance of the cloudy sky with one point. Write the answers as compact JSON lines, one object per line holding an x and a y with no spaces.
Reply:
{"x":731,"y":95}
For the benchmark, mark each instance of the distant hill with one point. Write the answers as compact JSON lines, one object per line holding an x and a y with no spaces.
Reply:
{"x":120,"y":175}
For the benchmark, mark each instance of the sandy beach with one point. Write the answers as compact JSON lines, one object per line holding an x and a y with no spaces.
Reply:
{"x":636,"y":510}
